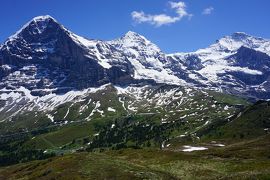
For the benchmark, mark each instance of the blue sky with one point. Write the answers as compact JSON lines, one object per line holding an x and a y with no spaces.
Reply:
{"x":186,"y":26}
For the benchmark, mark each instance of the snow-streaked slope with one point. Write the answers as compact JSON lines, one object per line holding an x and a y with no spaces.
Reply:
{"x":105,"y":54}
{"x":169,"y":102}
{"x":43,"y":103}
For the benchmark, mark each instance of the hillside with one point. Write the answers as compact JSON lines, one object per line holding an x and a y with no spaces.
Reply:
{"x":224,"y":163}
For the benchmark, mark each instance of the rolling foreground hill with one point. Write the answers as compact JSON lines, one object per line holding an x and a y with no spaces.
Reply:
{"x":120,"y":109}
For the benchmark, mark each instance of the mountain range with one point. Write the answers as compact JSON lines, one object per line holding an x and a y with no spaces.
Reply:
{"x":46,"y":57}
{"x":69,"y":96}
{"x":44,"y":66}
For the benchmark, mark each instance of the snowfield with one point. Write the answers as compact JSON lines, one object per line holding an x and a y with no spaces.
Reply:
{"x":193,"y":148}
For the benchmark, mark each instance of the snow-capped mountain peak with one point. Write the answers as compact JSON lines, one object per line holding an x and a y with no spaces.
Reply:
{"x":229,"y":45}
{"x":36,"y":26}
{"x":148,"y":61}
{"x":36,"y":39}
{"x":133,"y":35}
{"x":43,"y":18}
{"x":238,"y":39}
{"x":132,"y":40}
{"x":240,"y":35}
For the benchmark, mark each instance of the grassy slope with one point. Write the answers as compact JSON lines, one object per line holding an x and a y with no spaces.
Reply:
{"x":244,"y":158}
{"x":251,"y":123}
{"x":82,"y":166}
{"x":258,"y":148}
{"x":237,"y":161}
{"x":228,"y":99}
{"x":68,"y":133}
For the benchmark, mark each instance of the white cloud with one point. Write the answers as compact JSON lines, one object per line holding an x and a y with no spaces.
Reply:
{"x":162,"y":19}
{"x":208,"y":11}
{"x":180,"y":8}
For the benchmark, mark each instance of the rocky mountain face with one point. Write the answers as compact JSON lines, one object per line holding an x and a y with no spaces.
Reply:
{"x":44,"y":61}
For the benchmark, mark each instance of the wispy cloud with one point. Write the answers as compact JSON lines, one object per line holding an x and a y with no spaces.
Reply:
{"x":158,"y":20}
{"x":208,"y":11}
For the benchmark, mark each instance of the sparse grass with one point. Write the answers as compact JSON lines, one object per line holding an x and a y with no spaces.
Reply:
{"x":143,"y":164}
{"x":229,"y":99}
{"x":251,"y":123}
{"x":68,"y":133}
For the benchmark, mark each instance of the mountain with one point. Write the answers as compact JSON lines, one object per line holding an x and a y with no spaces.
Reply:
{"x":148,"y":61}
{"x":45,"y":56}
{"x":238,"y":64}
